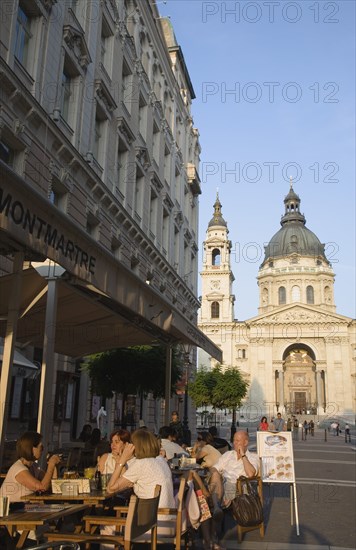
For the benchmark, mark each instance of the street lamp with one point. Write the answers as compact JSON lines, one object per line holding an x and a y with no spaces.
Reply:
{"x":187,"y":349}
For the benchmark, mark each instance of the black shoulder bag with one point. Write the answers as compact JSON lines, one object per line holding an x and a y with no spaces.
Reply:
{"x":246,"y":506}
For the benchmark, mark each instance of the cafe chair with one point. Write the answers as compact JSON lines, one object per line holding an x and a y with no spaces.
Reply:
{"x":59,"y":545}
{"x":74,"y":458}
{"x":174,"y":530}
{"x":141,"y":516}
{"x":170,"y":531}
{"x":240,"y":529}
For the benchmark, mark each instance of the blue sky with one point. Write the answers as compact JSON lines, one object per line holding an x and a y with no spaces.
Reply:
{"x":275,"y":87}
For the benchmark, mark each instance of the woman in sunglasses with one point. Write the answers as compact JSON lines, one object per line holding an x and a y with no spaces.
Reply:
{"x":24,"y":476}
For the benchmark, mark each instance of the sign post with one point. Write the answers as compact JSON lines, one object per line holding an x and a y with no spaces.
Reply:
{"x":277,"y":464}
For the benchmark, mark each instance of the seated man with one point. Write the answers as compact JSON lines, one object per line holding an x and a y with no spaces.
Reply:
{"x":167,"y":435}
{"x":230,"y":466}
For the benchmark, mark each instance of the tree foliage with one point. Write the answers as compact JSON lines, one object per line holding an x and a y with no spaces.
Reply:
{"x":136,"y":370}
{"x":218,"y":388}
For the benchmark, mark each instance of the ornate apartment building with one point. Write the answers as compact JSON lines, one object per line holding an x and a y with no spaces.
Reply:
{"x":99,"y":175}
{"x":298,"y":354}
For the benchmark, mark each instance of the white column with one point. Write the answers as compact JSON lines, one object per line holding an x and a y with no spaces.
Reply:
{"x":46,"y":403}
{"x":318,"y":391}
{"x":281,"y":387}
{"x":9,"y":344}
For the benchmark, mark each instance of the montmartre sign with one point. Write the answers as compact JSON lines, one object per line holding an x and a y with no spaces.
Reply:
{"x":46,"y":234}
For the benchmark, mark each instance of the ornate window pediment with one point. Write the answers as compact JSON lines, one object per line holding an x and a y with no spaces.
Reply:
{"x":104,"y":96}
{"x":156,"y":182}
{"x":125,"y":131}
{"x":168,"y":201}
{"x":74,"y":39}
{"x":143,"y":157}
{"x":178,"y":218}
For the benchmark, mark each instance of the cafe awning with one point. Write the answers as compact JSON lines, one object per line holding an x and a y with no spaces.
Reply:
{"x":89,"y":321}
{"x":101,"y":303}
{"x":21,"y":365}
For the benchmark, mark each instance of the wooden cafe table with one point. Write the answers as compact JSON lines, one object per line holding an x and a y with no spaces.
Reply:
{"x":36,"y":515}
{"x":94,"y":498}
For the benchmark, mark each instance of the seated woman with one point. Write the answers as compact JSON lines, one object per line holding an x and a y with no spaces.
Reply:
{"x":24,"y":477}
{"x":148,"y":470}
{"x":94,"y":439}
{"x":118,"y":440}
{"x":85,"y":433}
{"x":204,"y":450}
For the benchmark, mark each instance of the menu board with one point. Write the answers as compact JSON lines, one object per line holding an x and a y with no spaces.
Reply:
{"x":275,"y":450}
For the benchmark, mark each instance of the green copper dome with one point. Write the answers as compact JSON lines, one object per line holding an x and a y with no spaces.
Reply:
{"x":294,"y":237}
{"x":217,"y":218}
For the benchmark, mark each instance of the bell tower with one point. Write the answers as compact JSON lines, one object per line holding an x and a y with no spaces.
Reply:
{"x":217,"y":303}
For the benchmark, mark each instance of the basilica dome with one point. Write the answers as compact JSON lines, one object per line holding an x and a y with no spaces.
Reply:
{"x":294,"y":237}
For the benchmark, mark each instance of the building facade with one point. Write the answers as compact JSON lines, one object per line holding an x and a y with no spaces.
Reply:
{"x":298,"y":354}
{"x":96,"y":135}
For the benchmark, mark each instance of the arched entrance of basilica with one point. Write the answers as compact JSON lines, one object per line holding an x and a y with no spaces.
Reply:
{"x":300,"y":386}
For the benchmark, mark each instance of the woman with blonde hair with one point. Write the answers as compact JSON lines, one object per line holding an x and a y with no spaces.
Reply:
{"x":148,"y":470}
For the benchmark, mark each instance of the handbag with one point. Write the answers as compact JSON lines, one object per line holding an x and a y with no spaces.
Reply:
{"x":246,"y":506}
{"x":203,"y":505}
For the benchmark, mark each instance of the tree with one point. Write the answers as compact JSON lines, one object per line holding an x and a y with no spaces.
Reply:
{"x":201,"y":390}
{"x":137,"y":370}
{"x":230,"y":389}
{"x":221,"y":389}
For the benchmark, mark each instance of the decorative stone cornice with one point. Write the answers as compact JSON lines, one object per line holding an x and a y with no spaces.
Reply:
{"x":299,"y":316}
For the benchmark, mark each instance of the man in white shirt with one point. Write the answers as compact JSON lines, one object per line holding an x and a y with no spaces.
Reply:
{"x":167,"y":433}
{"x":231,"y":465}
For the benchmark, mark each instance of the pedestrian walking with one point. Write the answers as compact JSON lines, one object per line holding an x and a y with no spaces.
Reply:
{"x":295,"y":428}
{"x":311,"y":427}
{"x":347,"y":434}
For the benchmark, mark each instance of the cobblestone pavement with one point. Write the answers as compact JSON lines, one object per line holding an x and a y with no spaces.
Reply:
{"x":326,"y":481}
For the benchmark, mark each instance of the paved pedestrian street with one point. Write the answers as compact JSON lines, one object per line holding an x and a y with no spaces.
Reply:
{"x":326,"y":483}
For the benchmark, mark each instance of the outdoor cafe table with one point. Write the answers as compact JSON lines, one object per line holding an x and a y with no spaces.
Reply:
{"x":94,"y":498}
{"x":28,"y":520}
